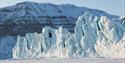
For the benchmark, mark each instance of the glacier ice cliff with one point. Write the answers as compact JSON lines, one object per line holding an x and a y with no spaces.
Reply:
{"x":50,"y":42}
{"x":100,"y":37}
{"x":96,"y":37}
{"x":93,"y":37}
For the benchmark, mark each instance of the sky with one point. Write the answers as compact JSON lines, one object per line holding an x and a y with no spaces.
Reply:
{"x":115,"y":7}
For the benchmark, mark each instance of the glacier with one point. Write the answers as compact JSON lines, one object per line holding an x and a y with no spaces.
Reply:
{"x":94,"y":37}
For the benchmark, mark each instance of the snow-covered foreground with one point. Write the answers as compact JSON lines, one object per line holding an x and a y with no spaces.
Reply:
{"x":57,"y":60}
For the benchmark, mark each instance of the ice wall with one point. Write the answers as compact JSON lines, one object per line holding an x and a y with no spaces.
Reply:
{"x":50,"y":42}
{"x":93,"y":37}
{"x":100,"y":37}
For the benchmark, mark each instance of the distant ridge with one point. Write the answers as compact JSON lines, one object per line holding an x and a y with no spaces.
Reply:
{"x":32,"y":17}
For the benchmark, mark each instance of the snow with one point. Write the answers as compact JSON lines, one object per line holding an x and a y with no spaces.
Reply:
{"x":66,"y":60}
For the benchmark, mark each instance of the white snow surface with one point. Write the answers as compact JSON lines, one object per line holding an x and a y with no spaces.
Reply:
{"x":94,"y":37}
{"x":66,"y":60}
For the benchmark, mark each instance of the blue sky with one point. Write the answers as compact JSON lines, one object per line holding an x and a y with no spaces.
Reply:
{"x":116,"y":7}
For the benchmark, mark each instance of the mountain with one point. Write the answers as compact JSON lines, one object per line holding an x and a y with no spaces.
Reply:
{"x":29,"y":17}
